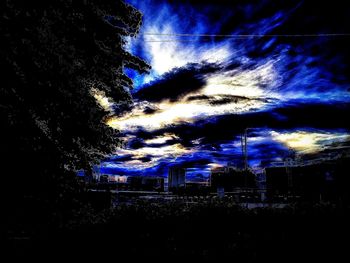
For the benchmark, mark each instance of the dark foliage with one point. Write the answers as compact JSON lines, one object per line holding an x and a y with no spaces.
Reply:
{"x":215,"y":230}
{"x":54,"y":56}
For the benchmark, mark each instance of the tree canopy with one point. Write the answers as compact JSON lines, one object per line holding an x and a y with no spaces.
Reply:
{"x":55,"y":55}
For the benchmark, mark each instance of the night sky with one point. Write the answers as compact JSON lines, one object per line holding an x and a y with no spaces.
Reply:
{"x":292,"y":92}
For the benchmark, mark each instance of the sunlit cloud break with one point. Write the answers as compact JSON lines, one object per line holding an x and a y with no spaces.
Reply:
{"x":309,"y":142}
{"x":245,"y":89}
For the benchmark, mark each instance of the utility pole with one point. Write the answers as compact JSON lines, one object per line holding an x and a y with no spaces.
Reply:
{"x":244,"y":144}
{"x":245,"y":150}
{"x":245,"y":156}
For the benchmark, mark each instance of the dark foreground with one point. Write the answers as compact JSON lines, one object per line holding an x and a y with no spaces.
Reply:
{"x":216,"y":230}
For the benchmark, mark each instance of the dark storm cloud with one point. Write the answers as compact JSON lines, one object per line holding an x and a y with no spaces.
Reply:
{"x":121,"y":158}
{"x":167,"y":142}
{"x":193,"y":161}
{"x":145,"y":159}
{"x":227,"y":99}
{"x":177,"y":83}
{"x":267,"y":150}
{"x":136,"y":143}
{"x":330,"y":53}
{"x":129,"y":157}
{"x":149,"y":110}
{"x":198,"y":98}
{"x":307,"y":114}
{"x":220,"y":99}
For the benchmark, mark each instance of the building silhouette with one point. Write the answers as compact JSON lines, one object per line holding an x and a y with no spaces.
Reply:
{"x":141,"y":183}
{"x":324,"y":180}
{"x":176,"y":177}
{"x":230,"y":178}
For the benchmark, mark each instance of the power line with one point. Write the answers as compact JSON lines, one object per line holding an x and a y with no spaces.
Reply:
{"x":249,"y":35}
{"x":182,"y":40}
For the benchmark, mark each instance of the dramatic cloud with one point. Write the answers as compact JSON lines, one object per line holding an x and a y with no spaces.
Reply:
{"x":241,"y":90}
{"x":309,"y":142}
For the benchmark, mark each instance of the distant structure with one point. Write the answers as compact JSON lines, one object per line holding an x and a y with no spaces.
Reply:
{"x":311,"y":181}
{"x":244,"y":148}
{"x":176,"y":177}
{"x":104,"y":178}
{"x":323,"y":178}
{"x":141,"y":183}
{"x":230,"y":178}
{"x":134,"y":183}
{"x":153,"y":184}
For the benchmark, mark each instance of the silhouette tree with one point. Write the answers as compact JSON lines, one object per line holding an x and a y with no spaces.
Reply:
{"x":55,"y":56}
